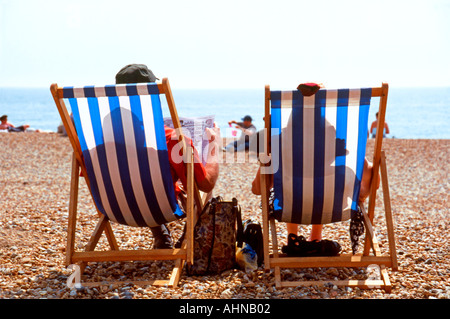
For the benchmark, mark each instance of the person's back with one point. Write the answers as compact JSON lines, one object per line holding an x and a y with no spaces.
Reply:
{"x":373,"y":127}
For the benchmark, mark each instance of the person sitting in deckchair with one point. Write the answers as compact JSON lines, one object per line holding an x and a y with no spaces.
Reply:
{"x":205,"y":175}
{"x":309,"y":89}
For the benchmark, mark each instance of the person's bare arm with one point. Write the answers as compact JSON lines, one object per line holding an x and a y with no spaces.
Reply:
{"x":256,"y":184}
{"x":212,"y":162}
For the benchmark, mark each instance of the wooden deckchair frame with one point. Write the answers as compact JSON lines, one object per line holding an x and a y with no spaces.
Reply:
{"x":180,"y":255}
{"x":277,"y":261}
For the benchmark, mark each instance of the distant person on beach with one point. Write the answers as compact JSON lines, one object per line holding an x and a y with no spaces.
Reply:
{"x":373,"y":127}
{"x":5,"y":125}
{"x":61,"y":129}
{"x":248,"y":129}
{"x":205,"y":175}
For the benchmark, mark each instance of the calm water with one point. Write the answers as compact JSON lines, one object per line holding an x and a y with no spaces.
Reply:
{"x":411,"y":113}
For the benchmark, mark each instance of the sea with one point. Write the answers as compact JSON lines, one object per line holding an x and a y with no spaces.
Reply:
{"x":412,"y":113}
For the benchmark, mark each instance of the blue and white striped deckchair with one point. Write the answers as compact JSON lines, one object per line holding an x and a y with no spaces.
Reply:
{"x":321,"y":143}
{"x":124,"y":147}
{"x":119,"y":142}
{"x":317,"y":148}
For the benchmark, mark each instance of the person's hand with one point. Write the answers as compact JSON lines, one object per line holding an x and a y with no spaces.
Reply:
{"x":212,"y":134}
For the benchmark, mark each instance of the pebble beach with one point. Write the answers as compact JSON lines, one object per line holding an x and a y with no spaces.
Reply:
{"x":34,"y":196}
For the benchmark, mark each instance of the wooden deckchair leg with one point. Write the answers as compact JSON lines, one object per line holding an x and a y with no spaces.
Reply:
{"x":265,"y":221}
{"x":95,"y":237}
{"x":265,"y":225}
{"x":385,"y":278}
{"x":269,"y":229}
{"x":277,"y":270}
{"x":371,"y":238}
{"x":92,"y":243}
{"x":110,"y":237}
{"x":388,"y":212}
{"x":176,"y":273}
{"x":72,"y":220}
{"x":73,"y":203}
{"x":190,"y":209}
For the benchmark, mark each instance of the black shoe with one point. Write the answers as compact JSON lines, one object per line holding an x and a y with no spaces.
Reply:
{"x":329,"y":248}
{"x":298,"y":246}
{"x":161,"y":237}
{"x":322,"y":248}
{"x":295,"y":246}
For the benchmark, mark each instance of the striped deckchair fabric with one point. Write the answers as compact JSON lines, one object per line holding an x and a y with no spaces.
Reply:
{"x":320,"y":148}
{"x":121,"y":133}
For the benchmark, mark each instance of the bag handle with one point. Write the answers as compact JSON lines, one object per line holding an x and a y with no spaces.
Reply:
{"x":240,"y":228}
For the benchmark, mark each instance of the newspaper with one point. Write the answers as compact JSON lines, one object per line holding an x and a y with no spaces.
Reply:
{"x":194,"y":128}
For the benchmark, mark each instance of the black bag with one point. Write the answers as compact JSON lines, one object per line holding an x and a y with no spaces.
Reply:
{"x":216,"y":233}
{"x":254,"y":237}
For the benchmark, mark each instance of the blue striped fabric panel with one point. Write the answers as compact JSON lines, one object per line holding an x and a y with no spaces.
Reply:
{"x":320,"y":144}
{"x":121,"y":133}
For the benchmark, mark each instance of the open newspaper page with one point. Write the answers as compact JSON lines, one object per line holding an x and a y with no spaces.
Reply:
{"x":194,"y":128}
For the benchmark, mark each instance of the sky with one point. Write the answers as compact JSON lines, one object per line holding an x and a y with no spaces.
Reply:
{"x":227,"y":44}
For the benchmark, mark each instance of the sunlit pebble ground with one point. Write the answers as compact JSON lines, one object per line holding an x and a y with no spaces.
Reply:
{"x":34,"y":195}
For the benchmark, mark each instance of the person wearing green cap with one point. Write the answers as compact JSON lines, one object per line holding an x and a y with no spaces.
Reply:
{"x":205,"y":175}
